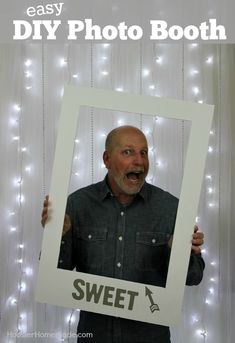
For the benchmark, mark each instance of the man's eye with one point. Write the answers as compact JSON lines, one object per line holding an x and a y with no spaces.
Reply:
{"x":127,"y":152}
{"x":144,"y":152}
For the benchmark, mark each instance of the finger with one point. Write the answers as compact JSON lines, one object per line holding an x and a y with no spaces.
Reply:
{"x":46,"y":201}
{"x":44,"y":214}
{"x":196,"y":228}
{"x":197,"y":242}
{"x":43,"y":221}
{"x":198,"y":235}
{"x":196,"y":249}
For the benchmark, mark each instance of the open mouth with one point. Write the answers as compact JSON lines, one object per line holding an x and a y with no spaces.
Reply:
{"x":134,"y":176}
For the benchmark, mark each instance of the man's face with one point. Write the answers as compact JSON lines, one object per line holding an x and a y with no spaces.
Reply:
{"x":127,"y":162}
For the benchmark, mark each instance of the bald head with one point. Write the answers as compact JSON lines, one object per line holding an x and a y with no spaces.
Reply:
{"x":114,"y":136}
{"x":126,"y":158}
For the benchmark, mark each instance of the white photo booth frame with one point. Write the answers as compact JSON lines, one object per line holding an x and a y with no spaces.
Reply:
{"x":122,"y":298}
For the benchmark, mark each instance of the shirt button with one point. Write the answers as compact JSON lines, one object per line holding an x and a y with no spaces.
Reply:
{"x":89,"y":236}
{"x":61,"y":261}
{"x":153,"y":240}
{"x":122,"y":213}
{"x":62,"y":242}
{"x":118,"y":264}
{"x":120,"y":238}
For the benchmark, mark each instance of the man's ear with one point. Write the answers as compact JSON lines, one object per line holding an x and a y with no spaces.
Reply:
{"x":106,"y":159}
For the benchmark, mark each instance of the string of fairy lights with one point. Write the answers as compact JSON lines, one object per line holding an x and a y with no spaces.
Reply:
{"x":24,"y":171}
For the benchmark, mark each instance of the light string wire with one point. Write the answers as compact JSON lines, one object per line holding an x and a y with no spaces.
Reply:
{"x":183,"y":97}
{"x":220,"y":214}
{"x":141,"y":80}
{"x":154,"y":130}
{"x":19,"y":197}
{"x":92,"y":112}
{"x":68,"y":75}
{"x":43,"y":137}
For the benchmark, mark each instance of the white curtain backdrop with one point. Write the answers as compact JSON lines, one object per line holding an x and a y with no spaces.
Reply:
{"x":32,"y":77}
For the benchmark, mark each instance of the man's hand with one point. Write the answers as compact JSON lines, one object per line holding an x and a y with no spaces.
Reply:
{"x":197,"y":241}
{"x":44,"y":217}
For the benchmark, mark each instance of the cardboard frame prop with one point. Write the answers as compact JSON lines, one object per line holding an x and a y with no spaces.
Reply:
{"x":122,"y":298}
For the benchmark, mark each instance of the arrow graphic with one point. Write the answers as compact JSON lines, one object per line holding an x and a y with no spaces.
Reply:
{"x":153,"y":307}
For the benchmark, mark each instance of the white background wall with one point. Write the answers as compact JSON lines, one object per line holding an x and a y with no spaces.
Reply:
{"x":31,"y":85}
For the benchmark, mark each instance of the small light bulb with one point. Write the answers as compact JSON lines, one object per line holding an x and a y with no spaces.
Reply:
{"x":194,"y":72}
{"x":15,"y":138}
{"x":13,"y":122}
{"x":13,"y":229}
{"x":104,"y":72}
{"x":119,"y":89}
{"x":28,"y":271}
{"x":196,"y":90}
{"x":24,"y":149}
{"x":210,"y":190}
{"x":22,"y":286}
{"x":28,"y":169}
{"x":200,"y":101}
{"x":106,"y":45}
{"x":21,"y":198}
{"x":159,"y":120}
{"x":152,"y":87}
{"x":211,"y":290}
{"x":75,"y":76}
{"x":63,"y":62}
{"x":146,"y":72}
{"x":69,"y":319}
{"x":159,"y":163}
{"x":209,"y":60}
{"x":28,"y":63}
{"x":208,"y":177}
{"x":28,"y":74}
{"x":13,"y":301}
{"x":159,"y":59}
{"x":17,"y":108}
{"x":17,"y":182}
{"x":194,"y":319}
{"x":210,"y":149}
{"x":203,"y":333}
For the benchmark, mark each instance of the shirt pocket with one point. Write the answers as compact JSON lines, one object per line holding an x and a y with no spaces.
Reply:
{"x":90,"y":249}
{"x":151,"y":251}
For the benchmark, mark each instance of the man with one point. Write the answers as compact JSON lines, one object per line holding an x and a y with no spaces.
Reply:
{"x":122,"y":228}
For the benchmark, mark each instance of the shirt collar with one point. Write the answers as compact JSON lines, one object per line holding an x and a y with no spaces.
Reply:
{"x":105,"y":191}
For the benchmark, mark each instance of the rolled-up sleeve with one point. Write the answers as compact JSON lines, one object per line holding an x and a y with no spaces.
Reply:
{"x":66,"y":259}
{"x":195,"y":270}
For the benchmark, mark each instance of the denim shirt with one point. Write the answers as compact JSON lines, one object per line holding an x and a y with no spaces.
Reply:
{"x":125,"y":242}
